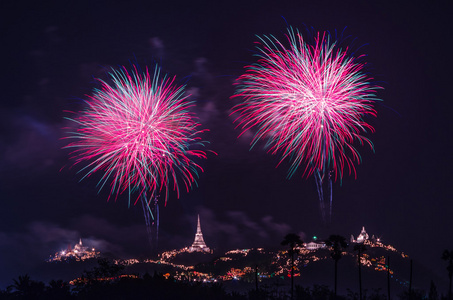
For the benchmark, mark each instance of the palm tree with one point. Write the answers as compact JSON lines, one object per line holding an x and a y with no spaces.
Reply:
{"x":27,"y":288}
{"x":293,"y":241}
{"x":22,"y":285}
{"x":448,"y":255}
{"x":23,"y":282}
{"x":337,"y":243}
{"x":360,"y":248}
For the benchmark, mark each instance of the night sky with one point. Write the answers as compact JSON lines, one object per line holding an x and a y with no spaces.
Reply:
{"x":51,"y":53}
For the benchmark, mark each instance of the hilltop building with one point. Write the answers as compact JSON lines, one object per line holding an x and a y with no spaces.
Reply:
{"x":198,"y":244}
{"x":80,"y":252}
{"x":314,"y":244}
{"x":361,"y":238}
{"x":79,"y":248}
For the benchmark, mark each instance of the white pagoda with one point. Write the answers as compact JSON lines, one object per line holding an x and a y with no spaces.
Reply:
{"x":198,"y":244}
{"x":361,"y":238}
{"x":79,"y":253}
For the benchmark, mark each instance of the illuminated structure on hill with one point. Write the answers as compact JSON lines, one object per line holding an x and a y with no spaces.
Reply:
{"x":315,"y":245}
{"x":363,"y":237}
{"x":232,"y":262}
{"x":79,"y":253}
{"x":198,"y":244}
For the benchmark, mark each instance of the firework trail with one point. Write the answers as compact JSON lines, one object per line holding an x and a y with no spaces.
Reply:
{"x":151,"y":214}
{"x":324,"y":196}
{"x":139,"y":133}
{"x":307,"y":104}
{"x":148,"y":218}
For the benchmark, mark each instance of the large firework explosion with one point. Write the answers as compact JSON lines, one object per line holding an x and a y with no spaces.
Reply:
{"x":307,"y":102}
{"x":139,"y":132}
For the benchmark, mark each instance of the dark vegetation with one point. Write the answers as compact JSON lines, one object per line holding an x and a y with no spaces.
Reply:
{"x":105,"y":281}
{"x":293,"y":241}
{"x":337,"y":243}
{"x":158,"y":287}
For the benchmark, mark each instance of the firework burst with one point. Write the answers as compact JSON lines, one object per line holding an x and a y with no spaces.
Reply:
{"x":139,"y":132}
{"x":307,"y":103}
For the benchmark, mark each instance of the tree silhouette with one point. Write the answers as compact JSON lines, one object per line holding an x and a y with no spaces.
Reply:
{"x":104,"y":269}
{"x":58,"y":289}
{"x":22,"y":284}
{"x":337,"y":243}
{"x":293,"y":241}
{"x":433,"y":292}
{"x":360,"y":248}
{"x":25,"y":288}
{"x":448,"y":256}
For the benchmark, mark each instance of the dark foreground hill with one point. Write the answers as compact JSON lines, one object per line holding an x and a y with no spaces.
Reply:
{"x":239,"y":270}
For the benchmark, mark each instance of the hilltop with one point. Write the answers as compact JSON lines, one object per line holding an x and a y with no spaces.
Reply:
{"x":240,"y":269}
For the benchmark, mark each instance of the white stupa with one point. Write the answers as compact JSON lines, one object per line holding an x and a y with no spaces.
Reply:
{"x":361,"y":238}
{"x":198,"y":244}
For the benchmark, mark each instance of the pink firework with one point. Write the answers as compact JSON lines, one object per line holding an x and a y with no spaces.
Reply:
{"x":139,"y":132}
{"x":307,"y":103}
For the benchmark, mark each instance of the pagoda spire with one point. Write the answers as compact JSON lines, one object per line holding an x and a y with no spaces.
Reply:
{"x":199,"y":227}
{"x":198,"y":243}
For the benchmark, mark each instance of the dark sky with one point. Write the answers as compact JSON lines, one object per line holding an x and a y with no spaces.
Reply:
{"x":52,"y":52}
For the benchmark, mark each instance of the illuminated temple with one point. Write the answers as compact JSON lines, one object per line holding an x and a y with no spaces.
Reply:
{"x":78,"y":253}
{"x":198,"y":244}
{"x":363,"y":237}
